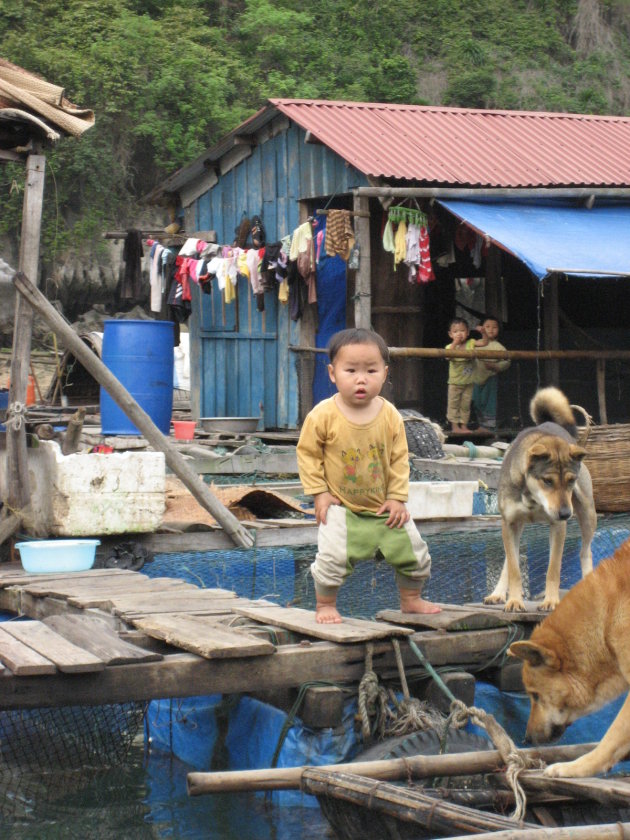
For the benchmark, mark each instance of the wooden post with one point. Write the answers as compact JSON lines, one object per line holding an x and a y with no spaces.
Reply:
{"x":551,"y":329}
{"x":106,"y":378}
{"x":18,"y":489}
{"x":363,"y":282}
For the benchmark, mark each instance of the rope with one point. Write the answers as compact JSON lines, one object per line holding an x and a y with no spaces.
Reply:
{"x":16,"y":414}
{"x":514,"y":761}
{"x":372,"y":699}
{"x":473,"y":452}
{"x":461,"y":714}
{"x":290,"y":719}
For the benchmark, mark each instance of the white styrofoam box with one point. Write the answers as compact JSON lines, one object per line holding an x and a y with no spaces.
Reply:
{"x":87,"y":494}
{"x":441,"y":499}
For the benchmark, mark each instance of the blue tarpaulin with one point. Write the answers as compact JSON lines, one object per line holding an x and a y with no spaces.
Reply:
{"x":554,"y":236}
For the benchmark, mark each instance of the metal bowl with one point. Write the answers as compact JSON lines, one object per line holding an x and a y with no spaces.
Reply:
{"x":236,"y":425}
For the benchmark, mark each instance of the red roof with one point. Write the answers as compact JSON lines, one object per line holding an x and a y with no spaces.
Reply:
{"x":461,"y":147}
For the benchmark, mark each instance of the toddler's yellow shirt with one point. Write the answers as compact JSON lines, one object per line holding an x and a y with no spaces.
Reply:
{"x":362,"y":465}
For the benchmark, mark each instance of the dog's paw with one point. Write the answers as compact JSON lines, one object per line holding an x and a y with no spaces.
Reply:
{"x":494,"y":599}
{"x":548,"y":604}
{"x":569,"y":770}
{"x":515,"y":605}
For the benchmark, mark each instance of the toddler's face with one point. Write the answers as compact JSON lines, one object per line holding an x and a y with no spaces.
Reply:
{"x":359,"y":373}
{"x":490,"y":329}
{"x":458,"y":332}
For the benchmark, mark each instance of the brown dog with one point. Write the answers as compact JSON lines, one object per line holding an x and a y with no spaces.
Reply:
{"x":543,"y":479}
{"x":578,"y":659}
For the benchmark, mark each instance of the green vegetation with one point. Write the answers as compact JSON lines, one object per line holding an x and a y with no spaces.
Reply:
{"x":167,"y":80}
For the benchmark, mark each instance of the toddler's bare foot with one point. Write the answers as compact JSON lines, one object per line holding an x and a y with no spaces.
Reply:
{"x":465,"y":429}
{"x":415,"y":604}
{"x":327,"y":614}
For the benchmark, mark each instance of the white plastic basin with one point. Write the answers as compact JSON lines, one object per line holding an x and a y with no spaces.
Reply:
{"x":48,"y":556}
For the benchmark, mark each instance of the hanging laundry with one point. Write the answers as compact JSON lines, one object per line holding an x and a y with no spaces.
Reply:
{"x":131,"y":284}
{"x":339,"y":233}
{"x":388,"y":237}
{"x":425,"y":268}
{"x":400,"y":243}
{"x":155,"y":280}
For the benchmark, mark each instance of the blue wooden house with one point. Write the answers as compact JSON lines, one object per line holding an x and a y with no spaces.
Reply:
{"x":544,"y":198}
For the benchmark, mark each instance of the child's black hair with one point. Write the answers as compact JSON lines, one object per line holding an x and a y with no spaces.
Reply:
{"x":458,"y":320}
{"x":356,"y":335}
{"x":491,"y":318}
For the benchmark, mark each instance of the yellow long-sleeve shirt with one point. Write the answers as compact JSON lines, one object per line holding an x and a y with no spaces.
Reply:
{"x":362,"y":465}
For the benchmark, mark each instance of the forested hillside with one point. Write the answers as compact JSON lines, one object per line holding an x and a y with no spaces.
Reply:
{"x":167,"y":79}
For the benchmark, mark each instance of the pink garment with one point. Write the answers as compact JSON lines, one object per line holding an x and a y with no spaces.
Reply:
{"x":425,"y":269}
{"x":252,"y":265}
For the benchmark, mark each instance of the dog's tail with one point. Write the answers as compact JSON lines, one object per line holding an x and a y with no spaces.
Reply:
{"x":551,"y":405}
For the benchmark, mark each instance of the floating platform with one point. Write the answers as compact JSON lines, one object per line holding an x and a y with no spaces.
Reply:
{"x":113,"y":636}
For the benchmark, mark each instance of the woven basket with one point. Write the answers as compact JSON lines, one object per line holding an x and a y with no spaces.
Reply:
{"x":608,"y":461}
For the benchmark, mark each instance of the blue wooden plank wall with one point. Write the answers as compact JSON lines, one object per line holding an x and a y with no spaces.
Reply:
{"x":241,"y":354}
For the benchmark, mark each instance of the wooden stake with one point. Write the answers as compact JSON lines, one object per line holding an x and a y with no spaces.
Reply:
{"x":417,"y":767}
{"x":18,"y":485}
{"x":106,"y":378}
{"x":611,"y":831}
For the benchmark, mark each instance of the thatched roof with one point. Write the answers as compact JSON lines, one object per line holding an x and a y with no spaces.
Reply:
{"x":31,"y":107}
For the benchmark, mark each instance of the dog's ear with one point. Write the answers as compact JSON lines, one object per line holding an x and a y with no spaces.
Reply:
{"x":576,"y":452}
{"x":535,"y":654}
{"x":538,"y":452}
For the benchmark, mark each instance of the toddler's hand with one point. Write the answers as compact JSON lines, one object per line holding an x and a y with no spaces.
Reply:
{"x":322,"y":502}
{"x":398,"y":513}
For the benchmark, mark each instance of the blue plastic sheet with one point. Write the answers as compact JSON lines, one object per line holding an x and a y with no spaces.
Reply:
{"x":554,"y":235}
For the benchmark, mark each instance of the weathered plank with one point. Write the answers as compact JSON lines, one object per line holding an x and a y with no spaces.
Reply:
{"x":531,"y":614}
{"x":96,"y":636}
{"x":303,"y":621}
{"x":16,"y":575}
{"x":43,"y":640}
{"x":126,"y":607}
{"x":22,"y":659}
{"x":449,"y":619}
{"x":198,"y":634}
{"x":185,"y":674}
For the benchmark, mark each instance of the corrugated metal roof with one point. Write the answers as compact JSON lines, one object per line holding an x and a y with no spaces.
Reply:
{"x":458,"y":147}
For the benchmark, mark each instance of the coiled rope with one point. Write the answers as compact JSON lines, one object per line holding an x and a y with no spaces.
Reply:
{"x":16,"y":415}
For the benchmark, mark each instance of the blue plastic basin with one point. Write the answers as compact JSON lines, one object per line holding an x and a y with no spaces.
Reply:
{"x":47,"y":556}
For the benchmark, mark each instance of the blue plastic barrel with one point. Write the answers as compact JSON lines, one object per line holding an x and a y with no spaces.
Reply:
{"x":140,"y":355}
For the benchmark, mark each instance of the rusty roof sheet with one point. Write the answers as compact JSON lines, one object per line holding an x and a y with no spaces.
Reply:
{"x":459,"y":147}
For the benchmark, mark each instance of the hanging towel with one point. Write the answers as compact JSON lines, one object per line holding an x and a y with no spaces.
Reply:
{"x":400,"y":242}
{"x":339,"y":234}
{"x":388,"y":237}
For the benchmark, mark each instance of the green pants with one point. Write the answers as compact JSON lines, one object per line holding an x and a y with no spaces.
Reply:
{"x":348,"y":537}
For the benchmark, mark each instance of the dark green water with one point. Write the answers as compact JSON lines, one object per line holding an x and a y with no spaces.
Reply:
{"x":145,"y":798}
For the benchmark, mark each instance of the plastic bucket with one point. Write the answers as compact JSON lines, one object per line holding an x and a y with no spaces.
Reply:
{"x":140,"y":355}
{"x":184,"y":429}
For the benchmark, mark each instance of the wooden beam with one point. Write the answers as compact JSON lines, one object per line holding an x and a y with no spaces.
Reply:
{"x":600,"y":374}
{"x":363,"y":282}
{"x":123,"y":398}
{"x":551,"y":328}
{"x":187,"y":675}
{"x":18,"y":484}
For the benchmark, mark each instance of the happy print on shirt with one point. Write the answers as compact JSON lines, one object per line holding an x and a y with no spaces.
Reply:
{"x":363,"y":473}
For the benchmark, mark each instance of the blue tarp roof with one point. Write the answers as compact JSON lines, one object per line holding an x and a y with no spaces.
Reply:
{"x":553,"y":236}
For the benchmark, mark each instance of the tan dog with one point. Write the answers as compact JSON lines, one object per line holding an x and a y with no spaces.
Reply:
{"x":578,"y":659}
{"x":543,"y":479}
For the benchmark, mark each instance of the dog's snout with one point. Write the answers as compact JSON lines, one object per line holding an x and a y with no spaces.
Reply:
{"x":564,"y":513}
{"x":556,"y":731}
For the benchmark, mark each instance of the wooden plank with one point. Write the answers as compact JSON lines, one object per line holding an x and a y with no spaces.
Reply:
{"x":200,"y":635}
{"x":531,"y":614}
{"x":67,"y":588}
{"x":22,"y":659}
{"x":139,"y":595}
{"x":303,"y":621}
{"x":66,"y":656}
{"x":449,"y":619}
{"x":185,"y":674}
{"x":220,"y":606}
{"x":610,"y":791}
{"x":96,"y":636}
{"x":17,"y":575}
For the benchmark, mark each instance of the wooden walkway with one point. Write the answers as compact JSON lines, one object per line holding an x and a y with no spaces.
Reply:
{"x":112,"y":635}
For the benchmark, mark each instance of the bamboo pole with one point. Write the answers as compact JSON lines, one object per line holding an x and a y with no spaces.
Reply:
{"x":417,"y":767}
{"x":480,"y":353}
{"x":609,"y":831}
{"x":141,"y":419}
{"x":404,"y":804}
